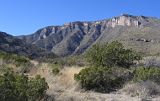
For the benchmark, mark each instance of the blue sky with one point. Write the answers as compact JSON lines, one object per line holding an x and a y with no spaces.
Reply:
{"x":19,"y":17}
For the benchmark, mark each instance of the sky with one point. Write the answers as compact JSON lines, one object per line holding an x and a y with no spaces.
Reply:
{"x":23,"y":17}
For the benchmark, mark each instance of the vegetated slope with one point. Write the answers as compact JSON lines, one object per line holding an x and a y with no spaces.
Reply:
{"x":138,"y":32}
{"x":11,"y":44}
{"x":63,"y":87}
{"x":19,"y":64}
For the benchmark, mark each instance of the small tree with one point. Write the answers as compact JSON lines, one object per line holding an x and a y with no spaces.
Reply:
{"x":112,"y":54}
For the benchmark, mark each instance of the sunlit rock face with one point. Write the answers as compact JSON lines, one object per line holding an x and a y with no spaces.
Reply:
{"x":124,"y":20}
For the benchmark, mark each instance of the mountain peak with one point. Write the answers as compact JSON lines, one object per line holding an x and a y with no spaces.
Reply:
{"x":127,"y":15}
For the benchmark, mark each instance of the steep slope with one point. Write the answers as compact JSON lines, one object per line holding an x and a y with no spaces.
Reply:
{"x":138,"y":32}
{"x":12,"y":44}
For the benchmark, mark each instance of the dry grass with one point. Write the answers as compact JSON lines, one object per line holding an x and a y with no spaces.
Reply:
{"x":62,"y":87}
{"x":144,"y":90}
{"x":151,"y":61}
{"x":66,"y":76}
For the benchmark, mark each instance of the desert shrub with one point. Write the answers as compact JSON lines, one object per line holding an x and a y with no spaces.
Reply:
{"x":13,"y":58}
{"x":144,"y":74}
{"x":111,"y":55}
{"x":5,"y":68}
{"x":16,"y":87}
{"x":101,"y":79}
{"x":36,"y":88}
{"x":55,"y":70}
{"x":22,"y":62}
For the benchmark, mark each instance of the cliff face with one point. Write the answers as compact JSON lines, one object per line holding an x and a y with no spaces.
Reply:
{"x":76,"y":37}
{"x":124,"y":20}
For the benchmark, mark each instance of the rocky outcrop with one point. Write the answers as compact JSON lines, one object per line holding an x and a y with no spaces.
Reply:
{"x":124,"y":20}
{"x":145,"y":40}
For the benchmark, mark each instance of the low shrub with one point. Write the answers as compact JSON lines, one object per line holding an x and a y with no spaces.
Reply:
{"x":13,"y":58}
{"x":56,"y":68}
{"x":15,"y":87}
{"x":55,"y":71}
{"x":101,"y":79}
{"x":144,"y":74}
{"x":5,"y":68}
{"x":21,"y":62}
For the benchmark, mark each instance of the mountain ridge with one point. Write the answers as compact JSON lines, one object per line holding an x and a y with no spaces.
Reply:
{"x":138,"y":32}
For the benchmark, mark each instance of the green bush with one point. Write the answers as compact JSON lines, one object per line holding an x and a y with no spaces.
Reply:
{"x":145,"y":74}
{"x":14,"y":87}
{"x":5,"y":68}
{"x":19,"y":61}
{"x":111,"y":55}
{"x":13,"y":58}
{"x":99,"y":76}
{"x":55,"y":70}
{"x":100,"y":79}
{"x":36,"y":88}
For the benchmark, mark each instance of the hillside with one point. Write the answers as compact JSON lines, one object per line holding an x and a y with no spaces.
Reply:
{"x":57,"y":81}
{"x":138,"y":32}
{"x":11,"y":44}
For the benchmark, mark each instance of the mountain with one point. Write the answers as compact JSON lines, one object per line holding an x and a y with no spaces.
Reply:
{"x":138,"y":32}
{"x":11,"y":44}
